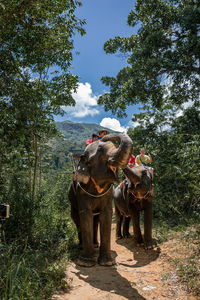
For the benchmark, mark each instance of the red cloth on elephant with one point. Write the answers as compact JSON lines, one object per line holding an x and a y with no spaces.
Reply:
{"x":131,"y":162}
{"x":88,"y":141}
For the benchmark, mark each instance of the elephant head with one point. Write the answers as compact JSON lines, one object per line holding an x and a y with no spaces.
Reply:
{"x":102,"y":158}
{"x":140,"y":182}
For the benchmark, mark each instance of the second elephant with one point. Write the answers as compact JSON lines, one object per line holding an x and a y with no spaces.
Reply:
{"x":132,"y":197}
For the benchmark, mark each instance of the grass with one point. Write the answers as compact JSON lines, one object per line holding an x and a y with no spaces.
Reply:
{"x":36,"y":269}
{"x":187,"y":269}
{"x":29,"y":273}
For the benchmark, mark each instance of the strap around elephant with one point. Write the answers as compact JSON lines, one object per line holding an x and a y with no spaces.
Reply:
{"x":96,"y":196}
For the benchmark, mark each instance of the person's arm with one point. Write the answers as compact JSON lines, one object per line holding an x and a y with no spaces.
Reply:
{"x":137,"y":160}
{"x":150,"y":158}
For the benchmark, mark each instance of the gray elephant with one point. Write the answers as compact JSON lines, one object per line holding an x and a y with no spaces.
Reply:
{"x":132,"y":197}
{"x":92,"y":193}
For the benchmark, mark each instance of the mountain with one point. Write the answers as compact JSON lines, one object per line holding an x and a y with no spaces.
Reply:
{"x":73,"y":141}
{"x":78,"y":132}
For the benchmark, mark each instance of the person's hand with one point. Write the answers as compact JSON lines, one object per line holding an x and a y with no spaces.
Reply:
{"x":149,"y":155}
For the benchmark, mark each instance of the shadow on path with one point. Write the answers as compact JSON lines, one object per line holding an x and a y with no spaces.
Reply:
{"x":108,"y":279}
{"x":140,"y":255}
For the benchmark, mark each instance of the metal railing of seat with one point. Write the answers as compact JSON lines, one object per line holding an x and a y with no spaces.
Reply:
{"x":75,"y":155}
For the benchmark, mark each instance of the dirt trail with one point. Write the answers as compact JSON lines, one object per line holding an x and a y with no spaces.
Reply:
{"x":137,"y":275}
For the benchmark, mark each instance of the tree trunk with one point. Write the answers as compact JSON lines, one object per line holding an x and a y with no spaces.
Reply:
{"x":30,"y":173}
{"x":40,"y":164}
{"x":35,"y":148}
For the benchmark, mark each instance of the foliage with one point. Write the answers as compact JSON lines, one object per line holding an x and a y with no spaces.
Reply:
{"x":163,"y":56}
{"x":188,"y":268}
{"x":36,"y":43}
{"x":25,"y":272}
{"x":176,"y":169}
{"x":162,"y":74}
{"x":35,"y":59}
{"x":34,"y":269}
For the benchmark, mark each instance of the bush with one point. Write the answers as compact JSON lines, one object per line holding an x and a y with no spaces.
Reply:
{"x":33,"y":262}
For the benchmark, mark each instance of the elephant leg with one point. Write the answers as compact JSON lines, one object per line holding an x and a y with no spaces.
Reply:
{"x":148,"y":227}
{"x":135,"y":214}
{"x":119,"y":220}
{"x":86,"y":221}
{"x":75,"y":217}
{"x":105,"y":258}
{"x":126,"y":227}
{"x":95,"y":230}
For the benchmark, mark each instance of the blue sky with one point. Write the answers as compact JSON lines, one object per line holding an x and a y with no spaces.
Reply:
{"x":105,"y":19}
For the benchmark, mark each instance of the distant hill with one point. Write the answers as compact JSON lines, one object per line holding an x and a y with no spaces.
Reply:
{"x":78,"y":132}
{"x":73,"y":140}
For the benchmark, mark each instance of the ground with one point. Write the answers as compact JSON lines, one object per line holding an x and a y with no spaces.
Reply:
{"x":138,"y":274}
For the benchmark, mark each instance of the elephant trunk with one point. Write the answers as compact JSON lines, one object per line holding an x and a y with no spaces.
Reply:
{"x":121,"y":156}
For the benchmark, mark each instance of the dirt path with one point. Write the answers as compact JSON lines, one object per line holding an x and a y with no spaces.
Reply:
{"x":137,"y":275}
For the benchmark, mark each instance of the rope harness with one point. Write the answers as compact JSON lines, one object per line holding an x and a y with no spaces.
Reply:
{"x":77,"y":156}
{"x":149,"y":192}
{"x":95,"y":196}
{"x":146,"y":196}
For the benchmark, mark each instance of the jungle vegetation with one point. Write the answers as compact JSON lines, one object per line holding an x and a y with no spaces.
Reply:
{"x":162,"y":75}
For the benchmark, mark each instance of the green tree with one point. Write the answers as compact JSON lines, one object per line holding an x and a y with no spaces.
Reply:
{"x":163,"y":57}
{"x":162,"y":74}
{"x":36,"y":43}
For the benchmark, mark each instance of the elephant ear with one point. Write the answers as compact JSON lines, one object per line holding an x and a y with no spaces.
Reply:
{"x":146,"y":174}
{"x":82,"y":173}
{"x":149,"y":173}
{"x":91,"y":150}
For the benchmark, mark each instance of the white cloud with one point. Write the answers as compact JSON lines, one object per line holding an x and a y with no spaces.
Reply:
{"x":86,"y":102}
{"x":132,"y":124}
{"x":180,"y":112}
{"x":113,"y":124}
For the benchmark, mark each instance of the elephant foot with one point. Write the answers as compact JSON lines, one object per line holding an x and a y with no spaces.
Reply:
{"x":106,"y":261}
{"x":118,"y":237}
{"x":96,"y":245}
{"x":139,"y":242}
{"x":85,"y":262}
{"x":127,"y":235}
{"x":150,"y":245}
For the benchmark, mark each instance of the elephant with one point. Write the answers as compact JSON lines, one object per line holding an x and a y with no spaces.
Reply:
{"x":91,"y":193}
{"x":131,"y":197}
